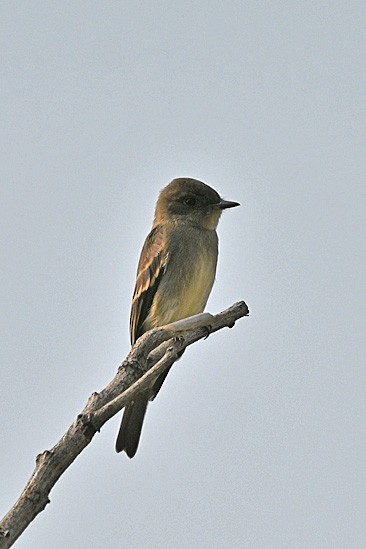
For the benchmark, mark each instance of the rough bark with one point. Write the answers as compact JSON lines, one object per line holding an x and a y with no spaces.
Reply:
{"x":151,"y":355}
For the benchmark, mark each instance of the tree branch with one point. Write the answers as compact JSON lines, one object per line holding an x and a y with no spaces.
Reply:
{"x":151,"y":355}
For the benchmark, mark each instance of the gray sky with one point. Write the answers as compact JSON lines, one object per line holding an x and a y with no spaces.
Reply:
{"x":257,"y":437}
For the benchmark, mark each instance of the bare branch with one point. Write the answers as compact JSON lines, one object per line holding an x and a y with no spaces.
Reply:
{"x":151,"y":355}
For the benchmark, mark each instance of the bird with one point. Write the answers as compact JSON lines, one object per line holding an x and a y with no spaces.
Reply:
{"x":175,"y":275}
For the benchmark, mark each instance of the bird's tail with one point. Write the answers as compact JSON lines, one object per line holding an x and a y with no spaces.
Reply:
{"x":131,"y":425}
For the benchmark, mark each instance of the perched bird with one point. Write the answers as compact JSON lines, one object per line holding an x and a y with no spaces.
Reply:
{"x":175,"y":275}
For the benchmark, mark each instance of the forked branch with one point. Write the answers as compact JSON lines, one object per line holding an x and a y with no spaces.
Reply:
{"x":151,"y":355}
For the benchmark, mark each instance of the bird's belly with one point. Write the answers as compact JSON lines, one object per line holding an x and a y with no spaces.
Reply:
{"x":195,"y":293}
{"x":187,"y":295}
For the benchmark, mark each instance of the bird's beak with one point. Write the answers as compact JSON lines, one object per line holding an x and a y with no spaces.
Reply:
{"x":223,"y":204}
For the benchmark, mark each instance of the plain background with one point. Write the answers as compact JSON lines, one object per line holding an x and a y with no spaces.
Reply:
{"x":257,"y":438}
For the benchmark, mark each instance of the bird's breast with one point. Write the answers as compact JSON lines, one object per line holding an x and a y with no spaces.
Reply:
{"x":188,"y":279}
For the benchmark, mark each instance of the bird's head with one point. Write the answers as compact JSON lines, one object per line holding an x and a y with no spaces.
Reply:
{"x":190,"y":201}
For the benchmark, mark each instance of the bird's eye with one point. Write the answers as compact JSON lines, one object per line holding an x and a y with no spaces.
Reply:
{"x":190,"y":201}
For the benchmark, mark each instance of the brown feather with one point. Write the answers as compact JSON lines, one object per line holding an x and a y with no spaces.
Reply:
{"x":150,"y":269}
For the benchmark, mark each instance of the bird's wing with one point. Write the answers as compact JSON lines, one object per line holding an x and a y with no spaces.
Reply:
{"x":151,"y":267}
